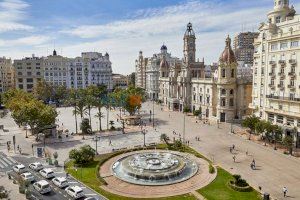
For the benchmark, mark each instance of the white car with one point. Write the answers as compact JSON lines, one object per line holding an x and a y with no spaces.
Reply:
{"x":60,"y":182}
{"x":27,"y":176}
{"x":19,"y":168}
{"x":47,"y":173}
{"x":36,"y":166}
{"x":75,"y":191}
{"x":42,"y":187}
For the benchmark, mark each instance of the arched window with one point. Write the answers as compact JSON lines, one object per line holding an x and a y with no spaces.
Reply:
{"x":231,"y":91}
{"x":223,"y":91}
{"x":223,"y":73}
{"x":232,"y":73}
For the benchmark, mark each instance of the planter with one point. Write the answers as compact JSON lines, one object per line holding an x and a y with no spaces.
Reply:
{"x":238,"y":188}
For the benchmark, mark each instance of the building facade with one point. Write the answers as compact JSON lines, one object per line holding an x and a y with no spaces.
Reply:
{"x":276,"y":82}
{"x":140,"y":71}
{"x":56,"y":70}
{"x":243,"y":47}
{"x":28,"y":72}
{"x":120,"y":81}
{"x":216,"y":91}
{"x":7,"y":75}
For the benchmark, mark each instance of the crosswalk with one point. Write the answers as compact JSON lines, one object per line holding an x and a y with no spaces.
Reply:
{"x":6,"y":162}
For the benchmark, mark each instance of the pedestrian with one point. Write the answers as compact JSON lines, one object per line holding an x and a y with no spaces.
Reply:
{"x":20,"y":150}
{"x":284,"y":191}
{"x":233,"y":146}
{"x":253,"y":161}
{"x":109,"y":142}
{"x":247,"y":152}
{"x":18,"y":147}
{"x":233,"y":158}
{"x":230,"y":149}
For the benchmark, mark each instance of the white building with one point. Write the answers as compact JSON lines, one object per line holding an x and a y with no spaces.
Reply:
{"x":7,"y":79}
{"x":152,"y":72}
{"x":56,"y":70}
{"x":276,"y":81}
{"x":92,"y":68}
{"x":140,"y":71}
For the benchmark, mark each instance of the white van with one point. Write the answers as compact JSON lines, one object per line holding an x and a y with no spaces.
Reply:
{"x":42,"y":187}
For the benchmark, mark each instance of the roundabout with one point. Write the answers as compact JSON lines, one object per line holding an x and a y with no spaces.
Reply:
{"x":152,"y":174}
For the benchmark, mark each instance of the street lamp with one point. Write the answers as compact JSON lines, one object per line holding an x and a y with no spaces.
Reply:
{"x":96,"y":138}
{"x":231,"y":128}
{"x":153,"y":113}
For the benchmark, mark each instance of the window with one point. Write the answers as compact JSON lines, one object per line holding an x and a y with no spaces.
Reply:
{"x":279,"y":119}
{"x":223,"y":92}
{"x":292,"y":82}
{"x":272,"y":81}
{"x":231,"y":102}
{"x":294,"y":44}
{"x":290,"y":121}
{"x":232,"y":73}
{"x":274,"y":47}
{"x":271,"y":117}
{"x":278,"y":19}
{"x":28,"y":73}
{"x":223,"y":73}
{"x":283,"y":45}
{"x":223,"y":102}
{"x":20,"y":86}
{"x":29,"y":80}
{"x":231,"y":92}
{"x":207,"y":99}
{"x":201,"y":99}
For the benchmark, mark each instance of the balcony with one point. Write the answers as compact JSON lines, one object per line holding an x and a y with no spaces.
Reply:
{"x":280,"y":98}
{"x":292,"y":87}
{"x":281,"y":87}
{"x":272,"y":62}
{"x":292,"y":74}
{"x":281,"y":62}
{"x":272,"y":74}
{"x":272,"y":86}
{"x":292,"y":61}
{"x":282,"y":75}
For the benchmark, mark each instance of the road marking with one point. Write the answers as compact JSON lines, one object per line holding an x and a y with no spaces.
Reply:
{"x":11,"y":159}
{"x":59,"y":172}
{"x":91,"y":194}
{"x":8,"y":161}
{"x":4,"y":163}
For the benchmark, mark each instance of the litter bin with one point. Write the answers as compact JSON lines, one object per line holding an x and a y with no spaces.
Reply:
{"x":266,"y":196}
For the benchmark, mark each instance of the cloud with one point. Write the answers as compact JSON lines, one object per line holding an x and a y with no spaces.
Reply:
{"x":12,"y":13}
{"x":25,"y":41}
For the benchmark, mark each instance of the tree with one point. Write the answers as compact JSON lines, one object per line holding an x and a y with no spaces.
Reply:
{"x":164,"y":138}
{"x":288,"y":142}
{"x":250,"y":123}
{"x":85,"y":127}
{"x":100,"y":115}
{"x":186,"y":109}
{"x":82,"y":156}
{"x":43,"y":91}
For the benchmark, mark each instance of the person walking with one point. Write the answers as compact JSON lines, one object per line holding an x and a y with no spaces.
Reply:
{"x":233,"y":157}
{"x":233,"y":146}
{"x":284,"y":191}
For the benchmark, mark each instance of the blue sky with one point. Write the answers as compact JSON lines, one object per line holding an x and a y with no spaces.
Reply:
{"x":123,"y":27}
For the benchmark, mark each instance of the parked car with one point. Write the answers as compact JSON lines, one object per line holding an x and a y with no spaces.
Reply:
{"x":42,"y":187}
{"x":19,"y":168}
{"x":75,"y":191}
{"x":60,"y":182}
{"x":27,"y":176}
{"x":47,"y":173}
{"x":36,"y":166}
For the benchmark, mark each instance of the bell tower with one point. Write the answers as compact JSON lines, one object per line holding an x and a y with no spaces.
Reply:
{"x":189,"y":48}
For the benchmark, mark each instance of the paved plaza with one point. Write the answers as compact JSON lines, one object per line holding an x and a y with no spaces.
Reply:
{"x":274,"y":169}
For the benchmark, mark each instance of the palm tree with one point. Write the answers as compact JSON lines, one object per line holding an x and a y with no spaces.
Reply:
{"x":250,"y":123}
{"x":164,"y":138}
{"x":89,"y":102}
{"x":99,"y":115}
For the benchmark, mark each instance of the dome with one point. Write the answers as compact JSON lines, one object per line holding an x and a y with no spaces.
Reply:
{"x":228,"y":55}
{"x":163,"y":47}
{"x":164,"y":63}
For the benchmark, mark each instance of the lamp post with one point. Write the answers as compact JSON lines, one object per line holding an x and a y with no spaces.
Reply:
{"x":231,"y":128}
{"x":153,"y":113}
{"x":96,"y":141}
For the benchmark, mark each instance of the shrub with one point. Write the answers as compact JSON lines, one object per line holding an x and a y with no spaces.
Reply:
{"x":211,"y":169}
{"x":197,"y":112}
{"x":82,"y":156}
{"x":186,"y":109}
{"x":239,"y":184}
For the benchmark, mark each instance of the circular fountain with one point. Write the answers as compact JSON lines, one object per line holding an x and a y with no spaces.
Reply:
{"x":154,"y":168}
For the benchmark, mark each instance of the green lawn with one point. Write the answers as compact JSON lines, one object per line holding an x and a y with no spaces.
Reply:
{"x":218,"y":189}
{"x":88,"y":175}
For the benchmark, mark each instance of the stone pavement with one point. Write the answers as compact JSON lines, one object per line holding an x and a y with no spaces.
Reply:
{"x":274,"y":169}
{"x":12,"y":188}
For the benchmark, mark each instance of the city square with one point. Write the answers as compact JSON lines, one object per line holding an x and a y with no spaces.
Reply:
{"x":212,"y":114}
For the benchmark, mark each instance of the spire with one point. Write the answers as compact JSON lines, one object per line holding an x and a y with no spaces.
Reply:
{"x":228,"y":42}
{"x":189,"y":30}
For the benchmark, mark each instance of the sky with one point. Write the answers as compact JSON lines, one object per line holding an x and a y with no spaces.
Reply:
{"x":124,"y":27}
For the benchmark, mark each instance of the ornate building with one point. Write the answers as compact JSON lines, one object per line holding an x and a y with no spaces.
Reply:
{"x":276,"y":82}
{"x":217,"y":92}
{"x":140,"y":71}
